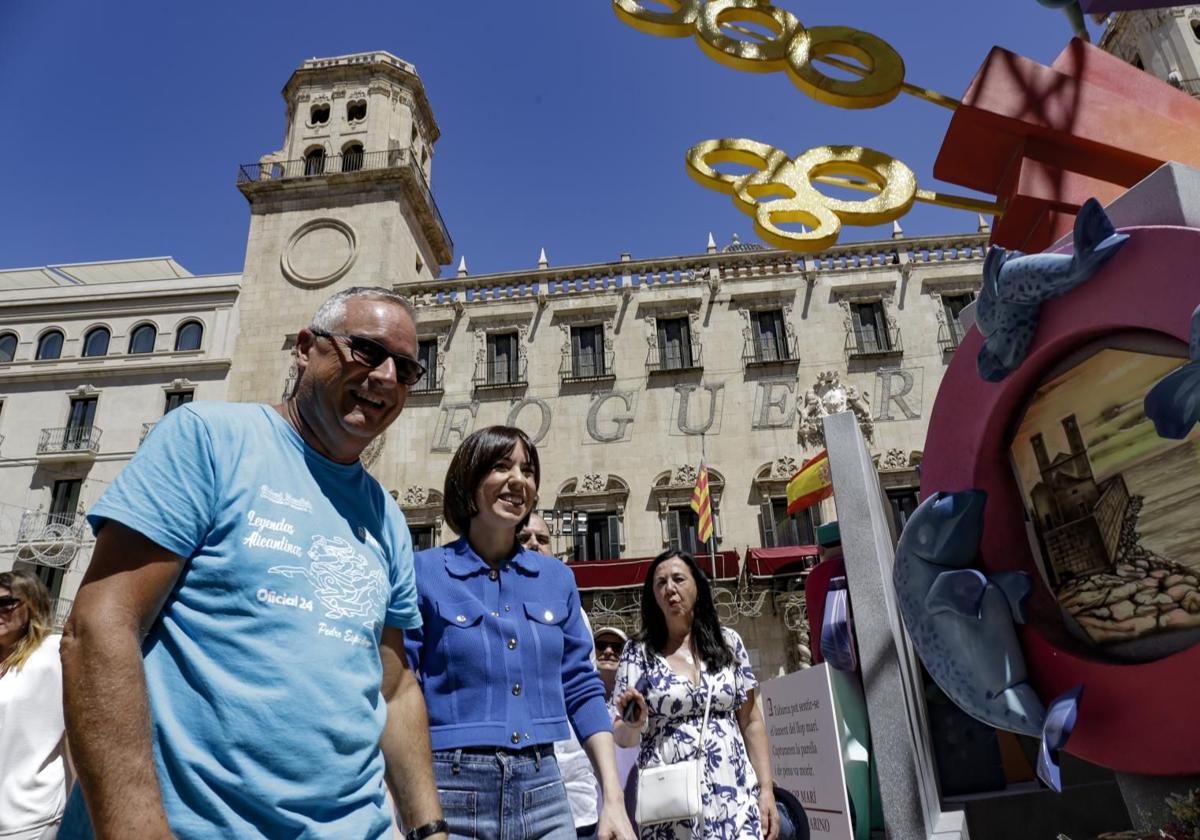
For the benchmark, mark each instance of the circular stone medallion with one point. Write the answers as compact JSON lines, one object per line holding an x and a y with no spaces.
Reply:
{"x":319,"y":252}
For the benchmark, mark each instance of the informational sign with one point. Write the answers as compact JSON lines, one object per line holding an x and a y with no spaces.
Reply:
{"x":804,"y":733}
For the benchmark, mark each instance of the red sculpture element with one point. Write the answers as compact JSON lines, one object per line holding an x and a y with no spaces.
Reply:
{"x":1136,"y":718}
{"x":1045,"y":139}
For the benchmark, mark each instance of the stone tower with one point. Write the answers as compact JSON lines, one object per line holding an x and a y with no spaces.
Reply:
{"x":1163,"y":42}
{"x":345,"y":202}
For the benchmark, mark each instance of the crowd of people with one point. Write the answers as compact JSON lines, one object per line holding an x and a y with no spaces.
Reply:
{"x":255,"y":650}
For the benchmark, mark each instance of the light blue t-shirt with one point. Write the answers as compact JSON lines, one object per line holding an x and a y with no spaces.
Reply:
{"x":263,"y":670}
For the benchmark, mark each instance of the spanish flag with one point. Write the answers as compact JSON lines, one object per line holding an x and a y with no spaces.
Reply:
{"x":810,"y":485}
{"x":702,"y":504}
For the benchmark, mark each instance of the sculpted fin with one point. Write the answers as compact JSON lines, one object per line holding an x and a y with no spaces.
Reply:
{"x":959,"y":591}
{"x":1016,"y":587}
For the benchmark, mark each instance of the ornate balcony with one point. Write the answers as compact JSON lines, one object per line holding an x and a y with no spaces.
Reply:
{"x":873,"y":345}
{"x":588,"y":367}
{"x":60,"y":609}
{"x":69,"y":443}
{"x":48,"y":538}
{"x":950,"y":336}
{"x":674,"y":359}
{"x":770,"y":351}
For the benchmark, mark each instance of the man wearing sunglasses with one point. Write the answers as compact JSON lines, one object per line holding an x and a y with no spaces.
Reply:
{"x":233,"y":665}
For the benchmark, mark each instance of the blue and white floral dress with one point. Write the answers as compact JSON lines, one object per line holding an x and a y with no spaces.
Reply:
{"x":730,"y":788}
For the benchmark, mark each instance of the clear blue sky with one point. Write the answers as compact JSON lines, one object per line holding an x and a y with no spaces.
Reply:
{"x":561,"y":127}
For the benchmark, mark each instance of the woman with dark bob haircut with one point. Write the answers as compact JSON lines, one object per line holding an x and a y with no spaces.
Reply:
{"x":503,"y":657}
{"x":683,"y":654}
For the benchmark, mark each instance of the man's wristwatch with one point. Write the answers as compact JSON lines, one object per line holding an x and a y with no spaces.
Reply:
{"x":427,"y":830}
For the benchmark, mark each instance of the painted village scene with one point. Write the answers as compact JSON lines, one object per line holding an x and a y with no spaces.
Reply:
{"x":1112,"y":506}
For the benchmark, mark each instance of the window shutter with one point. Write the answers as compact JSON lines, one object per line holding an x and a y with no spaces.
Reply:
{"x":673,"y":531}
{"x":614,"y":537}
{"x":685,"y":343}
{"x":881,"y":330}
{"x":780,"y":334}
{"x":576,"y":352}
{"x":766,"y":524}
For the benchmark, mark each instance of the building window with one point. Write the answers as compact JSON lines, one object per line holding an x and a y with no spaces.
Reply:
{"x":319,"y":114}
{"x":427,"y":355}
{"x":50,"y":345}
{"x":769,"y":336}
{"x":903,"y":501}
{"x":8,"y":347}
{"x":682,"y":523}
{"x":870,"y":328}
{"x":80,"y":417}
{"x":1137,"y":62}
{"x":95,"y":343}
{"x":314,"y":162}
{"x":587,"y":352}
{"x":177,"y":398}
{"x":502,"y":359}
{"x":142,"y":339}
{"x":952,"y":306}
{"x":675,"y":344}
{"x":423,"y":537}
{"x":189,"y":336}
{"x":352,"y":157}
{"x":356,"y":110}
{"x":1196,"y":28}
{"x":777,"y":528}
{"x":597,"y":536}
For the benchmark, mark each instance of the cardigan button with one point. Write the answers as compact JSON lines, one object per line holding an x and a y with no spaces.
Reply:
{"x":549,"y":616}
{"x":460,"y":618}
{"x":516,"y":738}
{"x":512,"y":643}
{"x":495,"y":614}
{"x":493,"y":574}
{"x":516,"y":689}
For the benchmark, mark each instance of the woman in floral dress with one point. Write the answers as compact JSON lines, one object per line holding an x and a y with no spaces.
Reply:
{"x":682,"y":652}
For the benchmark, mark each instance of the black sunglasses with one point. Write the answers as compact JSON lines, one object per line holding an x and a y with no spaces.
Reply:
{"x":8,"y":604}
{"x":371,"y":353}
{"x":615,"y":645}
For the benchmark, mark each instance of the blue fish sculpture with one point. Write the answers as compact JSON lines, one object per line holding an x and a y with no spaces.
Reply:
{"x":1173,"y":404}
{"x":1073,"y":13}
{"x":961,"y":624}
{"x":837,"y":633}
{"x":1015,"y":285}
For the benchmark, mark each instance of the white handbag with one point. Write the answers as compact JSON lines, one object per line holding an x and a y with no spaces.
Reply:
{"x":671,"y":792}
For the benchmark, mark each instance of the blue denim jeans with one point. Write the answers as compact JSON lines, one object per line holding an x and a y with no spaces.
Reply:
{"x":503,"y":795}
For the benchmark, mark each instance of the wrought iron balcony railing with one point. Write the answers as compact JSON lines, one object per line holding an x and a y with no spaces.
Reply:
{"x":431,"y":382}
{"x":60,"y":609}
{"x":49,"y":538}
{"x":866,"y":345}
{"x":588,"y":367}
{"x":346,"y":163}
{"x":69,"y":439}
{"x":501,"y":374}
{"x":770,"y":351}
{"x":664,"y":359}
{"x":950,"y":336}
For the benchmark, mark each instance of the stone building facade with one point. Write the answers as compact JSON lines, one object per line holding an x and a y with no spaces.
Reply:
{"x":1163,"y":42}
{"x":628,"y":373}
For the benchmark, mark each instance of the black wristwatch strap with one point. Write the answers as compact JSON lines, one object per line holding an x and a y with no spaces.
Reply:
{"x":428,"y":830}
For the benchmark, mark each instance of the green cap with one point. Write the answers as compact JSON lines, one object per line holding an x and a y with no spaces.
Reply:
{"x":829,"y":535}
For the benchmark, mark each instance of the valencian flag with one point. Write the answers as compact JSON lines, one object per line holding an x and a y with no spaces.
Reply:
{"x":810,"y":485}
{"x":702,"y":504}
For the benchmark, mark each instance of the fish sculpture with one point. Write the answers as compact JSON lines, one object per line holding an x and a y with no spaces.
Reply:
{"x":1173,"y":404}
{"x":837,"y":633}
{"x":1073,"y":13}
{"x":962,"y":625}
{"x":1015,"y":285}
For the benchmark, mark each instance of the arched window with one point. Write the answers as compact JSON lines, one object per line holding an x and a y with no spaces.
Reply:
{"x":356,"y":110}
{"x":314,"y":162}
{"x":50,"y":345}
{"x":188,"y":336}
{"x":95,"y":343}
{"x":352,"y":158}
{"x":142,"y":339}
{"x":8,"y":347}
{"x":319,"y":115}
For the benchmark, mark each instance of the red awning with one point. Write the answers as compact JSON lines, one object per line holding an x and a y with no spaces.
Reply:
{"x":788,"y":560}
{"x":617,"y":574}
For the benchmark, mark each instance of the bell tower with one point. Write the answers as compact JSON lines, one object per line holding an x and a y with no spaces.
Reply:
{"x":1163,"y":42}
{"x":345,"y":202}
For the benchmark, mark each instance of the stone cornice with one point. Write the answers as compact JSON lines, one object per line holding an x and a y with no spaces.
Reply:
{"x":110,"y":366}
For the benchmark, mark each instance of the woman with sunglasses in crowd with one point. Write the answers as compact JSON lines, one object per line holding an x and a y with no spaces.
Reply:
{"x":503,"y":658}
{"x":33,"y":768}
{"x":682,"y":658}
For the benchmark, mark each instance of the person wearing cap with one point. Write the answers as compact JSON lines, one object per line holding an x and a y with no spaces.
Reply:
{"x":609,"y":641}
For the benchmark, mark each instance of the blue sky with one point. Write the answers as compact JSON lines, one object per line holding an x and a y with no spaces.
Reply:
{"x":561,"y":127}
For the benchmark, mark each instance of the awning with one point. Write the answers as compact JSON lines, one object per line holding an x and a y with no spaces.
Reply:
{"x":617,"y":574}
{"x":786,"y":560}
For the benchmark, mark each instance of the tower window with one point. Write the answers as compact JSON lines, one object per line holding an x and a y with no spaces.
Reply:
{"x":1196,"y":28}
{"x":189,"y":336}
{"x":314,"y":162}
{"x":95,"y":343}
{"x":1137,"y":62}
{"x":50,"y":345}
{"x":8,"y":347}
{"x":356,"y":110}
{"x":352,"y":158}
{"x":319,"y":115}
{"x":142,"y":339}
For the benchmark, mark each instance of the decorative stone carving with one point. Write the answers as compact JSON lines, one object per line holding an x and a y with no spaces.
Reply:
{"x":829,"y":395}
{"x":319,"y":252}
{"x":593,"y":483}
{"x":414,"y":497}
{"x":684,"y":475}
{"x":894,"y":459}
{"x":371,"y":454}
{"x":784,"y":467}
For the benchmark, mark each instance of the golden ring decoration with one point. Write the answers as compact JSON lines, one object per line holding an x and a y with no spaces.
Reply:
{"x":790,"y":47}
{"x":781,"y":190}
